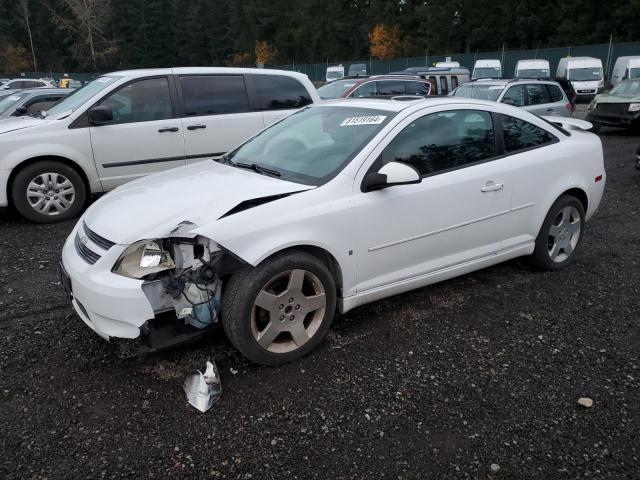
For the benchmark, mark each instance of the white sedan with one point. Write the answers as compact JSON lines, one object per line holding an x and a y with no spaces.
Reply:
{"x":338,"y":205}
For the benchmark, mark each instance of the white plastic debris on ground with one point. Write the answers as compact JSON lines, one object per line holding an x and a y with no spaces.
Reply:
{"x":203,"y":389}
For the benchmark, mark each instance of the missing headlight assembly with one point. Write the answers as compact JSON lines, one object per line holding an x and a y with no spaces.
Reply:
{"x":183,"y":280}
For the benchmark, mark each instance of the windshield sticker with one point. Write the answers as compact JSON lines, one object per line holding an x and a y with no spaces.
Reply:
{"x":13,"y":98}
{"x":369,"y":120}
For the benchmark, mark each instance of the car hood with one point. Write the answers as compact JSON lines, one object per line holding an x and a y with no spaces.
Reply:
{"x":10,"y":124}
{"x":608,"y":98}
{"x":154,"y":206}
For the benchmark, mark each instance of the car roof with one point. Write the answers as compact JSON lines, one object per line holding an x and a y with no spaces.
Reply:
{"x":143,"y":72}
{"x":44,"y":90}
{"x":398,"y":106}
{"x":508,"y":81}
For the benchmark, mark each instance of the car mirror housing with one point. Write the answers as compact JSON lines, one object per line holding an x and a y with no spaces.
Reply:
{"x":100,"y":115}
{"x":20,"y":111}
{"x":391,"y":174}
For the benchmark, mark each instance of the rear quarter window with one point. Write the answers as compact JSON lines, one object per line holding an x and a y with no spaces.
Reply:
{"x":277,"y":92}
{"x":522,"y":135}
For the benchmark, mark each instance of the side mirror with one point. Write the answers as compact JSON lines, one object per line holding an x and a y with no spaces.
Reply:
{"x":20,"y":111}
{"x":100,"y":115}
{"x":393,"y":173}
{"x":509,"y":102}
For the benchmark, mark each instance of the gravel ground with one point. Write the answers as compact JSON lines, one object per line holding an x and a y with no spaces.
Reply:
{"x":438,"y":383}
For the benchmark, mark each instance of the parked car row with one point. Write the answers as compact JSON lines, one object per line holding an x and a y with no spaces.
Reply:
{"x":22,"y":83}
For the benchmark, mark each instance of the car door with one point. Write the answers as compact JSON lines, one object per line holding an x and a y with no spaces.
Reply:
{"x":537,"y":99}
{"x":455,"y":215}
{"x":217,"y":115}
{"x":276,"y":96}
{"x":145,"y":135}
{"x":558,"y":103}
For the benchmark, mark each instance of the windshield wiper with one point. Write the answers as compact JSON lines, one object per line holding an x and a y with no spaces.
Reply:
{"x":257,"y":168}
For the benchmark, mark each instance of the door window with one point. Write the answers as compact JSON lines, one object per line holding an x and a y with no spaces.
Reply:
{"x":444,"y":141}
{"x":555,"y":94}
{"x":536,"y":94}
{"x":142,"y":101}
{"x":515,"y":96}
{"x":520,"y":135}
{"x":213,"y":95}
{"x":390,"y":87}
{"x":277,"y":92}
{"x":366,"y":90}
{"x":454,"y":82}
{"x":417,"y":88}
{"x":444,"y":88}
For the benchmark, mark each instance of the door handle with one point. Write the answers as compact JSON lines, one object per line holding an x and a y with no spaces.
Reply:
{"x":168,"y":129}
{"x":549,"y":109}
{"x":196,"y":127}
{"x":493,"y":187}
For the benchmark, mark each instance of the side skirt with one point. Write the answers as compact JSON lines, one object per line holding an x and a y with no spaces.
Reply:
{"x":378,"y":293}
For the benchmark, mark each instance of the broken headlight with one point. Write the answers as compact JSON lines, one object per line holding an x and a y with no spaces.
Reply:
{"x":143,"y":258}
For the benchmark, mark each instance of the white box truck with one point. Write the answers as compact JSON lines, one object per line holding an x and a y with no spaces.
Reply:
{"x":585,"y":75}
{"x":487,"y":69}
{"x":533,"y":68}
{"x":624,"y":68}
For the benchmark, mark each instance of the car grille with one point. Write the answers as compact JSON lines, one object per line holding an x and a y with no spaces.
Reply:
{"x":97,"y":239}
{"x":87,"y":255}
{"x":612,"y":108}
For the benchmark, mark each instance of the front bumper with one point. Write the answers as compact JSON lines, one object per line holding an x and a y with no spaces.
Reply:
{"x":615,"y":120}
{"x":110,"y":304}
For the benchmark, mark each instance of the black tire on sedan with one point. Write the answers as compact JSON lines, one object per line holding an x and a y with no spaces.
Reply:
{"x":48,"y":191}
{"x":560,"y":235}
{"x":280,"y":310}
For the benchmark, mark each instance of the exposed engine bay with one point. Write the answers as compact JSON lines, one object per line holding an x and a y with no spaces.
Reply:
{"x":183,"y":280}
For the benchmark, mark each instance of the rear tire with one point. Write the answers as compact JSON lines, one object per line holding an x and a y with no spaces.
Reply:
{"x":560,"y":235}
{"x":280,"y":310}
{"x":48,"y":191}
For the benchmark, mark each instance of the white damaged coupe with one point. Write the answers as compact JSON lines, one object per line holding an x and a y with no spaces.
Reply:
{"x":337,"y":205}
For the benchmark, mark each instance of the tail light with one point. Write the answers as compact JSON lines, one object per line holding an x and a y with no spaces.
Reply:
{"x":570,"y":107}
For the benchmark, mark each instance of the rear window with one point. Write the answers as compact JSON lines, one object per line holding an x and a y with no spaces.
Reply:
{"x":213,"y":95}
{"x":390,"y":87}
{"x":417,"y":88}
{"x":275,"y":92}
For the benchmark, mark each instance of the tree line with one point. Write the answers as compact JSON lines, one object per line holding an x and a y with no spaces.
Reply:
{"x":100,"y":35}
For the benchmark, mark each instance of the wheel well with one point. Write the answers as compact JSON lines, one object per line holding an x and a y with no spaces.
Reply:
{"x":31,"y":161}
{"x":325,"y":257}
{"x":580,"y":195}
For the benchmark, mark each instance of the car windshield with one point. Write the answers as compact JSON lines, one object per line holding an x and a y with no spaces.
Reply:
{"x":589,"y":74}
{"x":634,"y":73}
{"x":335,"y":89}
{"x":334,"y":74}
{"x":479,"y":91}
{"x":533,"y":73}
{"x":486,"y":72}
{"x":79,"y":97}
{"x":7,"y":103}
{"x":312,"y":145}
{"x":628,"y":88}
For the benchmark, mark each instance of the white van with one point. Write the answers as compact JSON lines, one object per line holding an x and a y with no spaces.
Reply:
{"x":125,"y":125}
{"x":533,"y":68}
{"x":487,"y":69}
{"x":334,"y":73}
{"x":624,"y":68}
{"x":584,"y":73}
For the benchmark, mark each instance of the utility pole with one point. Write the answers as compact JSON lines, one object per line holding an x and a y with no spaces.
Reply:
{"x":24,"y":7}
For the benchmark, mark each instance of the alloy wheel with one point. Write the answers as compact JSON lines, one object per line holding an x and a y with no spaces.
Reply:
{"x":564,"y":234}
{"x":288,"y":311}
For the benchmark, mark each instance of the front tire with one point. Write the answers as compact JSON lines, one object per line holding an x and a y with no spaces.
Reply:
{"x":280,"y":310}
{"x":596,"y":127}
{"x":48,"y":191}
{"x":560,"y":235}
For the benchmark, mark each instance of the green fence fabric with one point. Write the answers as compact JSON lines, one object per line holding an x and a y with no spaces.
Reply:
{"x":607,"y":53}
{"x":317,"y":71}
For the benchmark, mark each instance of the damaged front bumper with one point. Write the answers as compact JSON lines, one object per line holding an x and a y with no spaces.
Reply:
{"x":118,"y":307}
